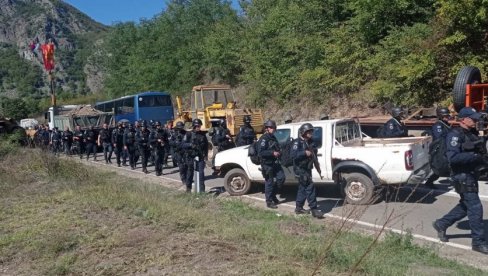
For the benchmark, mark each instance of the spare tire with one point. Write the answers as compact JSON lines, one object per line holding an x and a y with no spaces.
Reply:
{"x":467,"y":75}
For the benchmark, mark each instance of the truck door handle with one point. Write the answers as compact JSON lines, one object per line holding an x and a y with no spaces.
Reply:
{"x":319,"y":155}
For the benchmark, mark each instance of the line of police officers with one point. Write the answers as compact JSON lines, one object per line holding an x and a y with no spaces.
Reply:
{"x":465,"y":151}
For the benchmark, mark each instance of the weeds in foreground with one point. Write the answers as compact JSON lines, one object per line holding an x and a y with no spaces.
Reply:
{"x":74,"y":220}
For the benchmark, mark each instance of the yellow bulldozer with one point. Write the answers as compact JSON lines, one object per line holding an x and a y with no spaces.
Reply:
{"x":211,"y":103}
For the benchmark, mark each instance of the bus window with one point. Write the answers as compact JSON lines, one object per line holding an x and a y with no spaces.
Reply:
{"x":128,"y":106}
{"x":154,"y":101}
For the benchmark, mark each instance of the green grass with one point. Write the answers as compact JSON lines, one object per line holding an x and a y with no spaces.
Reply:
{"x":60,"y":217}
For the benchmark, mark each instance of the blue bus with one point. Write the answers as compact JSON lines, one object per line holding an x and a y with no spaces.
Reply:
{"x":156,"y":106}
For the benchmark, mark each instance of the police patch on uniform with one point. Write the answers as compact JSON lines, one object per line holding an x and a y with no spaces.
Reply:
{"x":454,"y":141}
{"x":263,"y":143}
{"x":295,"y":146}
{"x":391,"y":126}
{"x":439,"y":129}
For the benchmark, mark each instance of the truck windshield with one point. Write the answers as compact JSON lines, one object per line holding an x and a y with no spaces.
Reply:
{"x":347,"y":131}
{"x":282,"y":135}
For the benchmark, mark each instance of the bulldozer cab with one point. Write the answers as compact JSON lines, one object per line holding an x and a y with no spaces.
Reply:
{"x":211,"y":103}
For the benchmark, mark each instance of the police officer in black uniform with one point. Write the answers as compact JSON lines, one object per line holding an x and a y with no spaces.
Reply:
{"x":178,"y":153}
{"x":56,"y":137}
{"x":463,"y":152}
{"x":395,"y":127}
{"x":303,"y":152}
{"x":78,"y":144}
{"x":45,"y":136}
{"x":118,"y":142}
{"x":158,"y":140}
{"x":105,"y":141}
{"x":130,"y":145}
{"x":269,"y":152}
{"x":439,"y":131}
{"x":67,"y":138}
{"x":142,"y":139}
{"x":195,"y":144}
{"x":90,"y":139}
{"x":246,"y":135}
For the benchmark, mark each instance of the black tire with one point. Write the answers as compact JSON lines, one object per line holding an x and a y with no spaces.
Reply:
{"x":467,"y":75}
{"x":358,"y":189}
{"x":236,"y":182}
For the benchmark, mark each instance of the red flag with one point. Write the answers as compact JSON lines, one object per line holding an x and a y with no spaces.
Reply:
{"x":48,"y":55}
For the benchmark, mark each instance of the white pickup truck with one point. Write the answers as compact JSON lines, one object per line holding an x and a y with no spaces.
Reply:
{"x":357,"y":164}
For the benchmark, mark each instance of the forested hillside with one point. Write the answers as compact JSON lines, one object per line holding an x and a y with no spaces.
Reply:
{"x":404,"y":51}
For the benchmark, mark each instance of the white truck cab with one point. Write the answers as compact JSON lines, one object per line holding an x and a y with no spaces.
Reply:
{"x":358,"y":164}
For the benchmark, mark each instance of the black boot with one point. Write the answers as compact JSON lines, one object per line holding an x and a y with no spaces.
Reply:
{"x":482,"y":248}
{"x":441,"y":234}
{"x":271,"y":205}
{"x":316,"y":213}
{"x":301,"y":211}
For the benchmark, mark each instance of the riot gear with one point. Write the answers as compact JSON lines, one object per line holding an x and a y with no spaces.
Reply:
{"x":397,"y":112}
{"x":180,"y":125}
{"x":247,"y":119}
{"x":442,"y":112}
{"x":304,"y":128}
{"x":270,"y":123}
{"x":197,"y":122}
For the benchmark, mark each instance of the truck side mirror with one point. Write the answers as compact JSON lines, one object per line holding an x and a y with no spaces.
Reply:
{"x":46,"y":115}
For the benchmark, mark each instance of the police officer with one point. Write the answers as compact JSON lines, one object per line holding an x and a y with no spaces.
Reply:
{"x":178,"y":156}
{"x":195,"y":144}
{"x":56,"y":137}
{"x":158,"y":140}
{"x":130,"y":145}
{"x":172,"y":133}
{"x":142,"y":139}
{"x":90,"y":139}
{"x":67,"y":138}
{"x":105,"y":141}
{"x":269,"y":152}
{"x":246,"y":135}
{"x":118,"y":142}
{"x":222,"y":140}
{"x":78,"y":144}
{"x":463,"y":152}
{"x":395,"y":127}
{"x":303,"y":153}
{"x":439,"y":131}
{"x":45,"y":138}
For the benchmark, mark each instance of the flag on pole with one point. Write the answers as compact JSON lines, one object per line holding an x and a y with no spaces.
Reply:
{"x":48,"y":55}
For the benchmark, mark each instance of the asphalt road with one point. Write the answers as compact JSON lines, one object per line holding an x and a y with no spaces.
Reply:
{"x":403,"y":209}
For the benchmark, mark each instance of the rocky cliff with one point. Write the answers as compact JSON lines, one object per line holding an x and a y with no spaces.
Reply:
{"x":27,"y":23}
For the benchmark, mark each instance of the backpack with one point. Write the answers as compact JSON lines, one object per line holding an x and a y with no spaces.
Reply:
{"x":438,"y":158}
{"x":285,"y":159}
{"x":252,"y":152}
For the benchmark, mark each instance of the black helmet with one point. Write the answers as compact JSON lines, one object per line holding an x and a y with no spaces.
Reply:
{"x":143,"y":123}
{"x":197,"y":122}
{"x":119,"y":124}
{"x":442,"y":111}
{"x":180,"y":125}
{"x":304,"y":128}
{"x":270,"y":123}
{"x":157,"y":123}
{"x":247,"y":119}
{"x":396,"y":112}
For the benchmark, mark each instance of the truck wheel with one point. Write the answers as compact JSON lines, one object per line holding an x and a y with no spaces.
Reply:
{"x":358,"y":189}
{"x":236,"y":182}
{"x":467,"y":75}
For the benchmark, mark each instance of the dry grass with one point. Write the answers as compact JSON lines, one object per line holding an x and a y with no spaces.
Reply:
{"x":64,"y":218}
